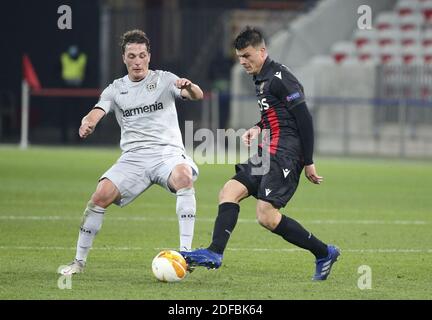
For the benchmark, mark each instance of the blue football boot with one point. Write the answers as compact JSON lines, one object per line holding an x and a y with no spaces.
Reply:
{"x":202,"y":257}
{"x":323,"y":265}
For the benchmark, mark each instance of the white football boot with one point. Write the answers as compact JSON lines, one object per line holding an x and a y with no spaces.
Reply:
{"x":76,"y":266}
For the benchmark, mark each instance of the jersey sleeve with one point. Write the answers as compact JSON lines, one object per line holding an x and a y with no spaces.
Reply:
{"x":106,"y":99}
{"x":171,"y":79}
{"x":306,"y":131}
{"x":287,"y":90}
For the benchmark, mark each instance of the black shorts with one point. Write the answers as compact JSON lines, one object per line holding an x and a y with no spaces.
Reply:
{"x":277,"y":185}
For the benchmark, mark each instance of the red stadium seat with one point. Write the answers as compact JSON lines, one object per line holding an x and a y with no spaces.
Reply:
{"x":411,"y":22}
{"x":387,"y":20}
{"x":426,"y":9}
{"x":363,"y":37}
{"x":411,"y":38}
{"x":389,"y":37}
{"x":390,"y":54}
{"x":342,"y":50}
{"x":427,"y":38}
{"x":412,"y":55}
{"x":407,"y":7}
{"x":368,"y":53}
{"x":427,"y":55}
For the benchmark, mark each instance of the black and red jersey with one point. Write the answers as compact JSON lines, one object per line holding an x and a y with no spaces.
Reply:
{"x":278,"y":92}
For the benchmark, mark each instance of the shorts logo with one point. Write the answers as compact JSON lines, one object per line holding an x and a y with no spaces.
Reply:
{"x":293,"y":96}
{"x":286,"y":172}
{"x":267,"y":191}
{"x":151,"y":86}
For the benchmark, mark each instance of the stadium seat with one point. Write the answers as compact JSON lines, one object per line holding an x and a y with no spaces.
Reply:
{"x":427,"y":55}
{"x":411,"y":38}
{"x":412,"y":55}
{"x":426,"y":9}
{"x":390,"y":54}
{"x":322,"y":60}
{"x":351,"y":60}
{"x":389,"y":37}
{"x":427,"y":38}
{"x":342,"y":50}
{"x":387,"y":20}
{"x":407,"y":7}
{"x":411,"y":22}
{"x":369,"y":53}
{"x":363,"y":37}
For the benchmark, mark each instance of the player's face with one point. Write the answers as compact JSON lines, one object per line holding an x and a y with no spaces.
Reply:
{"x":252,"y":58}
{"x":137,"y":59}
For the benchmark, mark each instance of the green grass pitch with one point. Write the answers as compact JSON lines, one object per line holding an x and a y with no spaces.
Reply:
{"x":379,"y":212}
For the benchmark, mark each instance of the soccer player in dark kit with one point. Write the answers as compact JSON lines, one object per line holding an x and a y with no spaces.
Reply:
{"x":285,"y":116}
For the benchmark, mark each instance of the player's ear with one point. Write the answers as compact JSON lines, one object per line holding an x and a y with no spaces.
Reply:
{"x":124,"y":58}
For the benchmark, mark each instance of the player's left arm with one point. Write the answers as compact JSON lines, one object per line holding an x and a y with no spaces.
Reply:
{"x":306,"y":133}
{"x":292,"y":95}
{"x":188,"y":89}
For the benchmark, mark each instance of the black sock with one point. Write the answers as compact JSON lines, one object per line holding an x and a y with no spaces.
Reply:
{"x":224,"y":226}
{"x":293,"y":232}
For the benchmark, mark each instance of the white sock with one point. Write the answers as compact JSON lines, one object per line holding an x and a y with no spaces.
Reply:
{"x":186,"y":209}
{"x":91,"y":224}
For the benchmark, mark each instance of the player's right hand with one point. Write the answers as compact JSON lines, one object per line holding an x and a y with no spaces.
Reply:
{"x":250,"y":135}
{"x":86,"y":129}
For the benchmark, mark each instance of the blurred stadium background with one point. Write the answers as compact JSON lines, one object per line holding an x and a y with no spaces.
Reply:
{"x":369,"y":90}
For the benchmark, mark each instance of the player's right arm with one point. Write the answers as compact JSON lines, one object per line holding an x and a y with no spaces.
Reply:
{"x":102,"y":107}
{"x":89,"y":122}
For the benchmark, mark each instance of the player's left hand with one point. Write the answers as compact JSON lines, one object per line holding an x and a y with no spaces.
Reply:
{"x":183,"y":83}
{"x":311,"y":174}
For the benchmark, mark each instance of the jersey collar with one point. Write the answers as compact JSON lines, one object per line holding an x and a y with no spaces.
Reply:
{"x":136,"y":83}
{"x":264,"y":73}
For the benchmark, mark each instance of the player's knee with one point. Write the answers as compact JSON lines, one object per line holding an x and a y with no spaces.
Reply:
{"x":101,"y":199}
{"x":182,"y":177}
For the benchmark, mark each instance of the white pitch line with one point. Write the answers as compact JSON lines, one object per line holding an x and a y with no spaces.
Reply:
{"x":380,"y":250}
{"x":141,"y":218}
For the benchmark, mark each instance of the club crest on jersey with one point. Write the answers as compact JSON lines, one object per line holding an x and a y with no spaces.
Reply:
{"x":151,"y":86}
{"x":293,"y":96}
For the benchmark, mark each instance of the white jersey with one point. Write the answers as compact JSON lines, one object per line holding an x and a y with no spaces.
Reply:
{"x":145,"y":111}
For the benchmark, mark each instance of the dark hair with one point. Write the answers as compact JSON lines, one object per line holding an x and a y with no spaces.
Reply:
{"x":249,"y":37}
{"x":134,"y":36}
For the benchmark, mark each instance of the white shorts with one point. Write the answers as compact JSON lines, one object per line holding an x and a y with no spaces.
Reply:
{"x":135,"y":171}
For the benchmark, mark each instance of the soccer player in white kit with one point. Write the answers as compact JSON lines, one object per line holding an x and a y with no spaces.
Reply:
{"x":153,"y":152}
